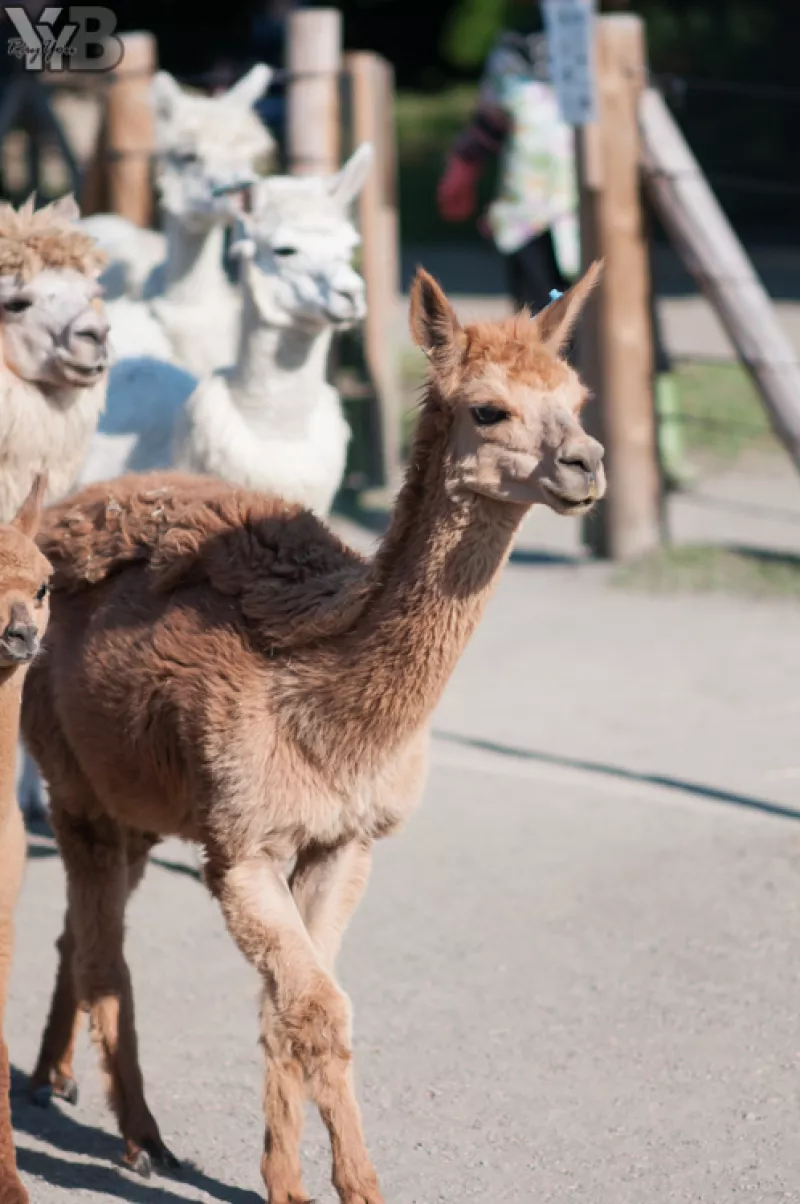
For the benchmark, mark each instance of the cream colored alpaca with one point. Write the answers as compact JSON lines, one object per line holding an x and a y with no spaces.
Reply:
{"x":221,"y":668}
{"x":53,"y":361}
{"x":23,"y":616}
{"x":53,"y":348}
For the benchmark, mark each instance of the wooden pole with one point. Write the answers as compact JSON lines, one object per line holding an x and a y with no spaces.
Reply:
{"x":589,"y":342}
{"x":618,"y":348}
{"x":716,"y":259}
{"x":372,"y":100}
{"x":130,"y":130}
{"x":314,"y":62}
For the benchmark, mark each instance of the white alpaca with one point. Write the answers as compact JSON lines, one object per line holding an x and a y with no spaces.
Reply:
{"x":54,"y":349}
{"x":53,"y":361}
{"x":208,"y":152}
{"x":271,"y":422}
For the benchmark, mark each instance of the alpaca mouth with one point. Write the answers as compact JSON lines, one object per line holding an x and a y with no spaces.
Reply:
{"x":567,"y":503}
{"x":79,"y":373}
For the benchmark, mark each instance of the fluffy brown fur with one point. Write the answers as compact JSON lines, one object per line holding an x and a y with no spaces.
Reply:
{"x":32,"y":240}
{"x":23,"y":570}
{"x":220,"y":667}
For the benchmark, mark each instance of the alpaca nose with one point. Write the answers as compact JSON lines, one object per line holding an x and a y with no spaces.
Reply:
{"x":87,"y":339}
{"x":584,"y":456}
{"x":21,"y":640}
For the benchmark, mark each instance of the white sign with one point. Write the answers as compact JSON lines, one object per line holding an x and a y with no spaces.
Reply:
{"x":570,"y":46}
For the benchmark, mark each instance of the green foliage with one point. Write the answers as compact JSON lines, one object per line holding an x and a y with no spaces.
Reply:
{"x":719,"y":410}
{"x":469,"y":31}
{"x":426,"y":127}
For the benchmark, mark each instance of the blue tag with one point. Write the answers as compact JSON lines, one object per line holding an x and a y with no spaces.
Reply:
{"x":555,"y":294}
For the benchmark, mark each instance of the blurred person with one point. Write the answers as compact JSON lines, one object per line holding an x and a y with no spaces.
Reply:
{"x":533,"y":220}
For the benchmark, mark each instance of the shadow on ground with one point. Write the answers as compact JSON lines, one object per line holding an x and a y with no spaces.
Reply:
{"x":685,"y":786}
{"x":60,"y":1130}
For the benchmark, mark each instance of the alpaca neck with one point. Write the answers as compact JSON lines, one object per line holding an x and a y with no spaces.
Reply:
{"x":11,"y":680}
{"x":279,"y":373}
{"x":194,"y":271}
{"x":429,"y":584}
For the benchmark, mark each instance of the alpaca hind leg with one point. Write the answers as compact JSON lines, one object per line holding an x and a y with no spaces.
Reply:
{"x":12,"y":860}
{"x":54,"y":1074}
{"x":98,"y":877}
{"x":305,"y":1032}
{"x":327,"y":885}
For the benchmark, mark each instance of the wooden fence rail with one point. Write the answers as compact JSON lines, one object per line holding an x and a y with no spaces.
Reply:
{"x":712,"y":253}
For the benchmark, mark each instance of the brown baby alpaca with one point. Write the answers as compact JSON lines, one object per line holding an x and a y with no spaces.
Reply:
{"x":222,"y":668}
{"x":23,"y":617}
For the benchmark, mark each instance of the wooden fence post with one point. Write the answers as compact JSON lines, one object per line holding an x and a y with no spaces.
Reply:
{"x":620,"y":362}
{"x":713,"y":254}
{"x":129,"y":133}
{"x":314,"y":63}
{"x":372,"y":99}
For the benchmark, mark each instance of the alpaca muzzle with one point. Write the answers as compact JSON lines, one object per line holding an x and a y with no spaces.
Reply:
{"x":19,"y":643}
{"x":84,"y":356}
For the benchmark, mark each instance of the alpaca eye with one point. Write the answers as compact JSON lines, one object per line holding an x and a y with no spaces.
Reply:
{"x":284,"y":252}
{"x":488,"y":415}
{"x":187,"y":157}
{"x":41,"y":593}
{"x":17,"y":306}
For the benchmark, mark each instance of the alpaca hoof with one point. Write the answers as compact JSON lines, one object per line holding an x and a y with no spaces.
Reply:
{"x":159,"y":1153}
{"x":41,"y":1096}
{"x":140,"y":1163}
{"x":65,"y":1088}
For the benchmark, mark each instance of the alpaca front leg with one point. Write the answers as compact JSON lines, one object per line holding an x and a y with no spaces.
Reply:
{"x":305,"y":1031}
{"x":11,"y":1189}
{"x":12,"y":861}
{"x":53,"y":1074}
{"x":327,"y":885}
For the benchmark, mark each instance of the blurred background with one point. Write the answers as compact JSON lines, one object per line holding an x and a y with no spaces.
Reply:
{"x":727,"y":70}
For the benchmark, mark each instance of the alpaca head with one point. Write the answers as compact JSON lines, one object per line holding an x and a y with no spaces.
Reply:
{"x":24,"y":574}
{"x":209,"y":147}
{"x":52,"y":327}
{"x":297,"y":247}
{"x":510,"y":405}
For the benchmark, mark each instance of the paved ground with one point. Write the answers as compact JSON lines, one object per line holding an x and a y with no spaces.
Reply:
{"x":576,"y":974}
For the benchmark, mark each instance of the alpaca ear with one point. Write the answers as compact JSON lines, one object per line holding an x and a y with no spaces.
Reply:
{"x":65,"y":209}
{"x":434,"y":326}
{"x":347,"y":183}
{"x":166,"y":95}
{"x":251,"y":87}
{"x":555,"y":322}
{"x":30,"y":512}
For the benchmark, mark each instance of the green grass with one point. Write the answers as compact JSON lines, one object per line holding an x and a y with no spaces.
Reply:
{"x":702,"y":569}
{"x":720,"y":412}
